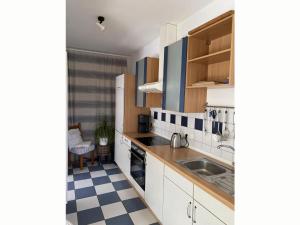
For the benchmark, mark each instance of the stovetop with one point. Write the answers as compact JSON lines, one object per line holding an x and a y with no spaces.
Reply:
{"x":155,"y":140}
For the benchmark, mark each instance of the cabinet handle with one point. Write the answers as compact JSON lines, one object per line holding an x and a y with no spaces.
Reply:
{"x":194,"y":214}
{"x":188,"y":210}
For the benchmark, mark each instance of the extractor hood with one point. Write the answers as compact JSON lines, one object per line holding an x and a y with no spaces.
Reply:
{"x":168,"y":35}
{"x":154,"y":87}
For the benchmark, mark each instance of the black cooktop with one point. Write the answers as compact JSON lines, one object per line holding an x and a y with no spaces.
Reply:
{"x":155,"y":140}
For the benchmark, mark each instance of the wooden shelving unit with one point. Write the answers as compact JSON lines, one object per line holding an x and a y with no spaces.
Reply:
{"x":152,"y":99}
{"x":210,"y":60}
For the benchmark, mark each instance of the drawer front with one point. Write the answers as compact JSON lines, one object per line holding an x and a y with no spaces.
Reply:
{"x":126,"y":141}
{"x":216,"y":207}
{"x":179,"y":180}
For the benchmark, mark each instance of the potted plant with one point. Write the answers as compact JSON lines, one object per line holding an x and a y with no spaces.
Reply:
{"x":101,"y":133}
{"x":104,"y":133}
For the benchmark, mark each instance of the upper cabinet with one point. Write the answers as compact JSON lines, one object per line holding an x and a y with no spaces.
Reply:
{"x":210,"y":60}
{"x":175,"y":57}
{"x":147,"y":72}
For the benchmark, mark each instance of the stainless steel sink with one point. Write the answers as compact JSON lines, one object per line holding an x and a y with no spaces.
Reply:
{"x":204,"y":167}
{"x":212,"y":172}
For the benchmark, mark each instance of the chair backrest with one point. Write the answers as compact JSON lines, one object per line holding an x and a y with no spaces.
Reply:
{"x":74,"y":126}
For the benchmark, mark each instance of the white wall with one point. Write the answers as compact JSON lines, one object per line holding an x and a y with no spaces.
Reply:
{"x":214,"y":9}
{"x":151,"y":50}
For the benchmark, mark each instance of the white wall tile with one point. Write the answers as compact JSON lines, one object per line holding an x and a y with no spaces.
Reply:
{"x":168,"y":117}
{"x":198,"y":135}
{"x":191,"y":122}
{"x":206,"y":148}
{"x":215,"y":140}
{"x":227,"y":155}
{"x":215,"y":151}
{"x":190,"y":133}
{"x":207,"y":139}
{"x":178,"y":119}
{"x":198,"y":140}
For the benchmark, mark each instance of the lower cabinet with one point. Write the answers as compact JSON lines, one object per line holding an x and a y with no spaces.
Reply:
{"x":118,"y":139}
{"x":154,"y":190}
{"x":186,"y":204}
{"x":177,"y":208}
{"x":125,"y":158}
{"x":122,"y":156}
{"x":202,"y":216}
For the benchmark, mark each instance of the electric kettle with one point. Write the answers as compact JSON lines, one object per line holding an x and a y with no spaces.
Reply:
{"x":178,"y":141}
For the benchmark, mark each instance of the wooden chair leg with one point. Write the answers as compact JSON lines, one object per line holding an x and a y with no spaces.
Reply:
{"x":81,"y":162}
{"x":92,"y":157}
{"x":69,"y":159}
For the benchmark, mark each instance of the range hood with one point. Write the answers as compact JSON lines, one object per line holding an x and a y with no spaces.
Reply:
{"x":168,"y":35}
{"x":154,"y":87}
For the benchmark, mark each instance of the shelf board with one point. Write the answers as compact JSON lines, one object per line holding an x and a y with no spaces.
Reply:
{"x":215,"y":57}
{"x":212,"y":31}
{"x":209,"y":85}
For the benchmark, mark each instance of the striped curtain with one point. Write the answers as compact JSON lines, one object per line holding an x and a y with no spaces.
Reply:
{"x":91,"y":89}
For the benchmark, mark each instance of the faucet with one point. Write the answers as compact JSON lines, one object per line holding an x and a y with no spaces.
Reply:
{"x":226,"y":146}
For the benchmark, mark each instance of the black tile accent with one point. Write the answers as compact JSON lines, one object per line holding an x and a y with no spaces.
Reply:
{"x":184,"y":121}
{"x":163,"y":116}
{"x":172,"y":118}
{"x":71,"y":207}
{"x":216,"y":126}
{"x":89,"y":216}
{"x":155,"y":115}
{"x":199,"y":124}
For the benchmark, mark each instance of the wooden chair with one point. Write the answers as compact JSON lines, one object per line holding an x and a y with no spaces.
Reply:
{"x":81,"y":157}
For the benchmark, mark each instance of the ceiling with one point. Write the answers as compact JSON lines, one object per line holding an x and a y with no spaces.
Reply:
{"x":129,"y":24}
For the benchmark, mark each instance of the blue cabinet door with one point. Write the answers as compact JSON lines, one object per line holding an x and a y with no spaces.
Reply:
{"x":175,"y":56}
{"x":140,"y":73}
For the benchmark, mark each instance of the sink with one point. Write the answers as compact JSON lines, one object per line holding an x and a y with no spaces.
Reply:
{"x":212,"y":172}
{"x":204,"y":167}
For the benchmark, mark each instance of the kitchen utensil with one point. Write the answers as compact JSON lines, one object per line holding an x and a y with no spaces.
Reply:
{"x":177,"y":140}
{"x":220,"y":119}
{"x":226,"y":132}
{"x":206,"y":115}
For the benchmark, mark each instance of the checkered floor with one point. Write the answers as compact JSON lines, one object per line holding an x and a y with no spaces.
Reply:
{"x":100,"y":195}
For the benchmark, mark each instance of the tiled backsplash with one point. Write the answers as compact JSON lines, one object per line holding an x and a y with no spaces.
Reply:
{"x":203,"y":131}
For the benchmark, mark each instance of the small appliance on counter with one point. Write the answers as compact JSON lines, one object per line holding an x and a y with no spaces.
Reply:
{"x":178,"y":141}
{"x":143,"y":123}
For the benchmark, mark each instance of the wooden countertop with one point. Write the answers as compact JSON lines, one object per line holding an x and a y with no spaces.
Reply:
{"x":169,"y":156}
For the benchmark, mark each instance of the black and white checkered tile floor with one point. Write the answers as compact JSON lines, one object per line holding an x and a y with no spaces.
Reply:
{"x":100,"y":195}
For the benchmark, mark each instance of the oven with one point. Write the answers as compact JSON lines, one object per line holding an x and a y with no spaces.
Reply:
{"x":138,"y":165}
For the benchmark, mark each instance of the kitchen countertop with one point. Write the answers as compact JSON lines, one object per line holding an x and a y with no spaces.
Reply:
{"x":169,"y":156}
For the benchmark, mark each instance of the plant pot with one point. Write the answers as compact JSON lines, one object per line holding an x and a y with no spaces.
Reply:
{"x":103,"y":141}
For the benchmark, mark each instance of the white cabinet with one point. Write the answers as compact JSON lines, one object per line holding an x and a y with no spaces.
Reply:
{"x":185,"y":203}
{"x":177,"y":208}
{"x":125,"y":158}
{"x":154,"y":185}
{"x":119,"y":108}
{"x":122,"y":156}
{"x":118,"y":139}
{"x":223,"y":212}
{"x":202,"y":216}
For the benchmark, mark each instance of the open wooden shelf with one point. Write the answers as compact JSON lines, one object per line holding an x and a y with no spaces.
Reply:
{"x":210,"y":60}
{"x":220,"y":28}
{"x":211,"y":86}
{"x":216,"y":57}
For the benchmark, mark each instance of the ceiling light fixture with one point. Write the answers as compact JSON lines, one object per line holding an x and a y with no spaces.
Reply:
{"x":99,"y":23}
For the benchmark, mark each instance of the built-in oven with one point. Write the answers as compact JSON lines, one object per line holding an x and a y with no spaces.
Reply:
{"x":138,"y":165}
